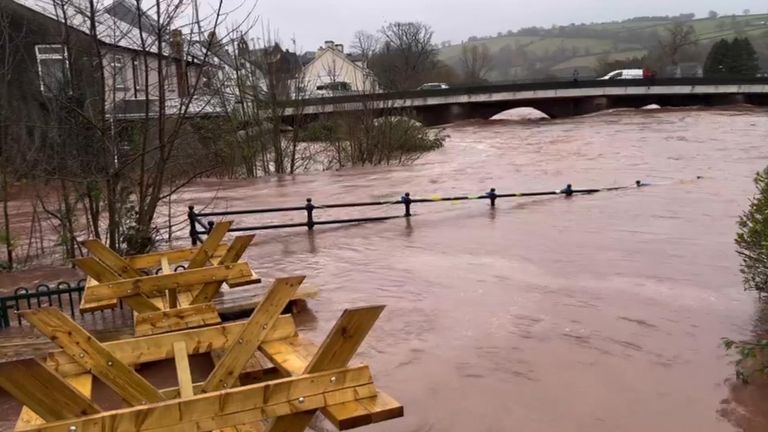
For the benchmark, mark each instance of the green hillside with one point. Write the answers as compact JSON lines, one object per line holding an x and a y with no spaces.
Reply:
{"x":533,"y":52}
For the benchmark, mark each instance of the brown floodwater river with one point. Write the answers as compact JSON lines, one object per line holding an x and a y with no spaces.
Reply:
{"x":597,"y":313}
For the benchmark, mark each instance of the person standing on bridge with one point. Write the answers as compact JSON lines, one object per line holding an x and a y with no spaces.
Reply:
{"x":575,"y":75}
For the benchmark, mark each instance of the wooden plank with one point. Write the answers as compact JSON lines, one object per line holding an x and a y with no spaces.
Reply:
{"x":173,"y":296}
{"x":92,"y":355}
{"x":96,"y":269}
{"x":182,"y":369}
{"x":157,"y":285}
{"x":362,"y":412}
{"x":231,"y":302}
{"x":208,"y":248}
{"x":166,"y":267}
{"x":82,"y":383}
{"x":232,"y":407}
{"x":109,"y":257}
{"x":95,"y":306}
{"x":104,"y":274}
{"x":174,"y":256}
{"x":176,"y":319}
{"x":253,"y":365}
{"x":138,"y":303}
{"x":345,"y":338}
{"x":48,"y":395}
{"x":251,"y":279}
{"x":291,"y":356}
{"x":252,"y":335}
{"x":338,"y":348}
{"x":248,"y":377}
{"x":232,"y":255}
{"x":159,"y":347}
{"x":175,"y":393}
{"x":382,"y":407}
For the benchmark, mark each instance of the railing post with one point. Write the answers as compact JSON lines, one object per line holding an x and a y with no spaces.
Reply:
{"x":192,"y":228}
{"x":6,"y":320}
{"x":492,"y":196}
{"x":568,"y":191}
{"x":406,"y":200}
{"x":310,"y":209}
{"x":210,"y":226}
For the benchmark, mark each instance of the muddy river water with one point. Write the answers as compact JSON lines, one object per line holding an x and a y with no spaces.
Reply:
{"x":597,"y":313}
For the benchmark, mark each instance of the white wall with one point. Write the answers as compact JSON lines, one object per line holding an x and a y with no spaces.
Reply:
{"x":331,"y":65}
{"x":124,"y":74}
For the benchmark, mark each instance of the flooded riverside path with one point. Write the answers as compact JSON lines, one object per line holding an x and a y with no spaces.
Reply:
{"x":595,"y":313}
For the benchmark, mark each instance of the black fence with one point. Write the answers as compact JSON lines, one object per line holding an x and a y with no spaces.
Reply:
{"x":198,"y":227}
{"x":64,"y":295}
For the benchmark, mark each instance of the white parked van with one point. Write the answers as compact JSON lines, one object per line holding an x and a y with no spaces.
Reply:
{"x":627,"y":74}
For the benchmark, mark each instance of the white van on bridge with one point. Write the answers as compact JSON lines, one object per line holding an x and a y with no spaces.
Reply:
{"x":628,"y":74}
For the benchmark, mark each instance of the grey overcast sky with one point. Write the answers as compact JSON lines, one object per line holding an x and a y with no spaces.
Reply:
{"x":313,"y":21}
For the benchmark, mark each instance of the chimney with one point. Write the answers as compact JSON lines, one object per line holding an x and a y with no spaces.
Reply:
{"x":329,"y":44}
{"x":179,"y":60}
{"x":340,"y":48}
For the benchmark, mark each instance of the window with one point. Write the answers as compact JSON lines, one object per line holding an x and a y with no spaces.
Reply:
{"x":53,"y":68}
{"x":335,"y":86}
{"x":119,"y":74}
{"x":169,"y":72}
{"x":139,"y":71}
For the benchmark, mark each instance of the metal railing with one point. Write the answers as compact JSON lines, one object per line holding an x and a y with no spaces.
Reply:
{"x":528,"y":86}
{"x":198,"y":227}
{"x":61,"y":295}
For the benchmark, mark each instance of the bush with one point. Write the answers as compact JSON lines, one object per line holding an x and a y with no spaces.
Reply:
{"x":752,"y":358}
{"x":752,"y":237}
{"x":360,"y":139}
{"x":752,"y":243}
{"x":388,"y":140}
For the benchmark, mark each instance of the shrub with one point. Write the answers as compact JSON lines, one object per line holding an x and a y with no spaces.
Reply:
{"x":752,"y":237}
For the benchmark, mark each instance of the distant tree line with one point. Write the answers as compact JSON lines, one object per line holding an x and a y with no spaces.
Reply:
{"x":584,"y":30}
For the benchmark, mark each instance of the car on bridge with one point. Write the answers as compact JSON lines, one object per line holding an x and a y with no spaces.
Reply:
{"x":433,"y":86}
{"x":628,"y":74}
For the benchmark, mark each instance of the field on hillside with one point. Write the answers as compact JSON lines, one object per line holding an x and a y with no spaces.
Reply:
{"x":581,"y":46}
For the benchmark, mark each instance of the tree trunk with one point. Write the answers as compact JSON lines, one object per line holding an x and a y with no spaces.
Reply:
{"x":7,"y":222}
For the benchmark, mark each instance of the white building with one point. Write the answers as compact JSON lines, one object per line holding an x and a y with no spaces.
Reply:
{"x":129,"y":54}
{"x":333,"y":72}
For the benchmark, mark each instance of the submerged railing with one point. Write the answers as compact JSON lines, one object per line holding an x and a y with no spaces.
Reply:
{"x":197,"y":226}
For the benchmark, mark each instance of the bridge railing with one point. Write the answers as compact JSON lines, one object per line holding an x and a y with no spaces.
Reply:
{"x":525,"y":86}
{"x":200,"y":223}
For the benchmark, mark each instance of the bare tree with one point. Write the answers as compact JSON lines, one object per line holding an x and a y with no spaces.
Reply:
{"x":129,"y":164}
{"x":406,"y":56}
{"x":365,"y":43}
{"x":8,"y":50}
{"x":677,"y":38}
{"x":476,"y":62}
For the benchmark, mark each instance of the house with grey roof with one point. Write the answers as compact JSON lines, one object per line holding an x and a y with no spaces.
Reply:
{"x":116,"y":53}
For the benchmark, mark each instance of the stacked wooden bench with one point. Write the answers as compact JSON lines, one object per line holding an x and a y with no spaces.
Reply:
{"x":265,"y":376}
{"x":170,"y":300}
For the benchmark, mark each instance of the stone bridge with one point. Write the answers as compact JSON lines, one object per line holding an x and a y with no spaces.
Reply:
{"x":555,"y":99}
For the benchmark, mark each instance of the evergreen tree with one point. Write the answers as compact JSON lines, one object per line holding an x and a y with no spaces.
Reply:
{"x":718,"y":60}
{"x":752,"y":237}
{"x":748,"y":64}
{"x":736,"y":58}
